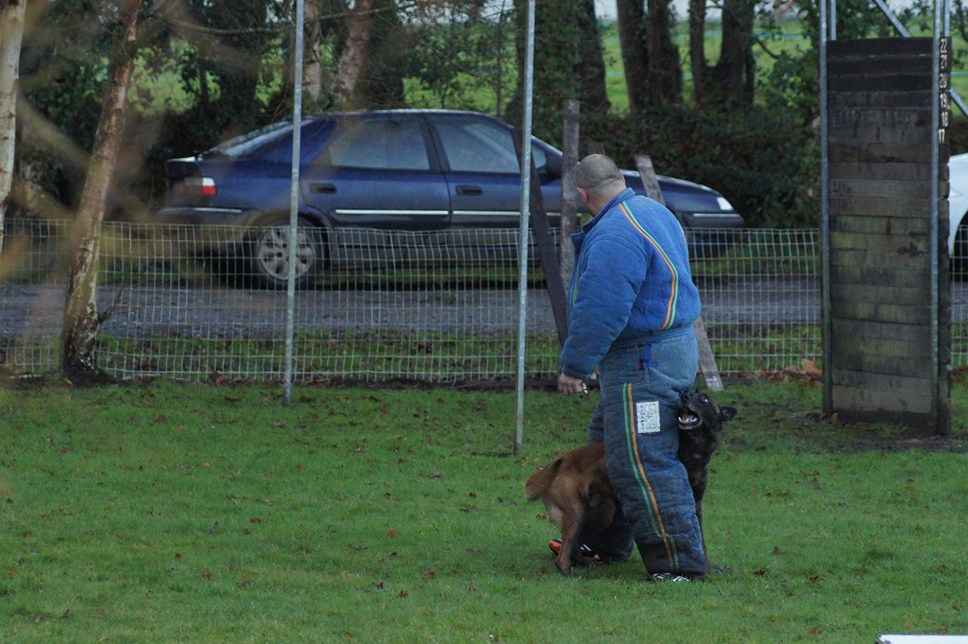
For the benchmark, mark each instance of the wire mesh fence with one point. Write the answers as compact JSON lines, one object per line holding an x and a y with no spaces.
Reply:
{"x":195,"y":303}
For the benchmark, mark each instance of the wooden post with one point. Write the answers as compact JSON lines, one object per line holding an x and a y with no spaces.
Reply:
{"x":887,"y":314}
{"x":546,"y":249}
{"x":707,"y":361}
{"x":569,"y":193}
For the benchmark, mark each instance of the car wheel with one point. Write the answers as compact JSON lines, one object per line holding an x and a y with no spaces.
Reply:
{"x":269,"y":254}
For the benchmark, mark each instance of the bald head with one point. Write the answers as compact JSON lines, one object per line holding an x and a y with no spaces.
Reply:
{"x":600,"y":180}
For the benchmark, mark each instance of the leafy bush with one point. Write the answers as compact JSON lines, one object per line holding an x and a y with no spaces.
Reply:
{"x":764,"y":163}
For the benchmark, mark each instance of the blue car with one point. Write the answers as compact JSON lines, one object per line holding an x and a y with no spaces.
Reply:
{"x":417,"y":170}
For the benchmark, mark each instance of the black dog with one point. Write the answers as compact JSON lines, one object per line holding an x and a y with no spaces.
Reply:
{"x":700,"y":434}
{"x":578,"y":493}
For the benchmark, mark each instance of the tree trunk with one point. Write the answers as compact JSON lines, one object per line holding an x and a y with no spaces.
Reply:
{"x":665,"y":69}
{"x":81,"y":319}
{"x":381,"y":78}
{"x":735,"y":70}
{"x":312,"y":66}
{"x":635,"y":53}
{"x":591,"y":71}
{"x":352,"y":59}
{"x":11,"y":36}
{"x":697,"y":49}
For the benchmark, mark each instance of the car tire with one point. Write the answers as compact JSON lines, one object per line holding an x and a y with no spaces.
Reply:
{"x":268,"y":254}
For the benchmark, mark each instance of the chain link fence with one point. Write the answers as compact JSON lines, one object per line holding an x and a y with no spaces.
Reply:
{"x":192,"y":303}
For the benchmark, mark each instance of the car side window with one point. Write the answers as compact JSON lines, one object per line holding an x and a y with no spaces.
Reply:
{"x":472,"y":146}
{"x":378,"y":145}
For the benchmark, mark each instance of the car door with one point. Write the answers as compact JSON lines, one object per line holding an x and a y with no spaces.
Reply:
{"x":375,"y":171}
{"x":481,"y":166}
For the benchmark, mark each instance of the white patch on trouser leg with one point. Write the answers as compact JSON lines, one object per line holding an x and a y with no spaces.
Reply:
{"x":647,"y":417}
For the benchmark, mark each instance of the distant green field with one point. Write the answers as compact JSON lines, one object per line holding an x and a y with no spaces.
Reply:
{"x":166,"y":93}
{"x":789,"y":38}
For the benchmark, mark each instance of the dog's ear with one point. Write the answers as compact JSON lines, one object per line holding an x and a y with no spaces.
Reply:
{"x":727,"y":413}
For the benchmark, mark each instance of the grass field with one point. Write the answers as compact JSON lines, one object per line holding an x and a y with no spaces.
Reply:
{"x":169,"y":511}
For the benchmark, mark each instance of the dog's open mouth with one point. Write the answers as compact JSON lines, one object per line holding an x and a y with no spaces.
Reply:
{"x":688,"y":420}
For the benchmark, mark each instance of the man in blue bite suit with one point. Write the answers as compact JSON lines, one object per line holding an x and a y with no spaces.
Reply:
{"x":632,"y":305}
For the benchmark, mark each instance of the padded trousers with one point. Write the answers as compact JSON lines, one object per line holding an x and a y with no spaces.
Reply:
{"x":641,"y":389}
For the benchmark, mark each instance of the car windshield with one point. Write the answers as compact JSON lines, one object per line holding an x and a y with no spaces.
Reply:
{"x":245,"y":144}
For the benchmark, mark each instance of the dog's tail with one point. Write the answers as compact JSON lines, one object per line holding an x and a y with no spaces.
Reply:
{"x":540,"y":481}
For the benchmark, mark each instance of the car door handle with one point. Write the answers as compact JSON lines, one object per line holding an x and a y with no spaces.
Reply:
{"x":318,"y":188}
{"x":469,"y":190}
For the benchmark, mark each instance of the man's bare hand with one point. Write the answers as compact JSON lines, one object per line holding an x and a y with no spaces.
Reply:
{"x":570,"y":386}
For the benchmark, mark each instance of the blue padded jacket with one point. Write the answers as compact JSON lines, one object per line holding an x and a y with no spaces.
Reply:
{"x":631,"y":281}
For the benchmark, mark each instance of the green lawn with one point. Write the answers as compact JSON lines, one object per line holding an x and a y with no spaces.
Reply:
{"x":174,"y":511}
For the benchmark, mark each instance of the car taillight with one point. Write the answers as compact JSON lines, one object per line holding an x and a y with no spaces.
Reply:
{"x":196,"y":187}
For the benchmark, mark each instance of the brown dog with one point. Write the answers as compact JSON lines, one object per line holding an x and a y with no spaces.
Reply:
{"x":578,"y":493}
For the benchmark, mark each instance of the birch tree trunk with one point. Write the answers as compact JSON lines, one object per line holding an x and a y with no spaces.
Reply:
{"x":11,"y":36}
{"x":354,"y":53}
{"x":312,"y":66}
{"x":81,"y":319}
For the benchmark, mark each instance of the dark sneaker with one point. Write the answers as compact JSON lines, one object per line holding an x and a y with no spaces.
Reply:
{"x":584,"y":552}
{"x":667,"y":576}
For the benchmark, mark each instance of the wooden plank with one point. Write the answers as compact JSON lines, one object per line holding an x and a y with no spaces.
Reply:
{"x":848,"y":309}
{"x":569,"y":192}
{"x":850,"y":274}
{"x":886,"y":47}
{"x":846,"y":151}
{"x":872,"y":250}
{"x":911,"y":82}
{"x":854,"y":116}
{"x":898,"y":171}
{"x":907,"y":339}
{"x":878,"y":206}
{"x":859,"y":186}
{"x":890,"y":356}
{"x":882,"y":135}
{"x":873,"y":329}
{"x":546,"y":248}
{"x":884,"y":366}
{"x":897,"y":405}
{"x":877,"y":99}
{"x":707,"y":360}
{"x":881,"y":66}
{"x":879,"y":224}
{"x":898,"y":313}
